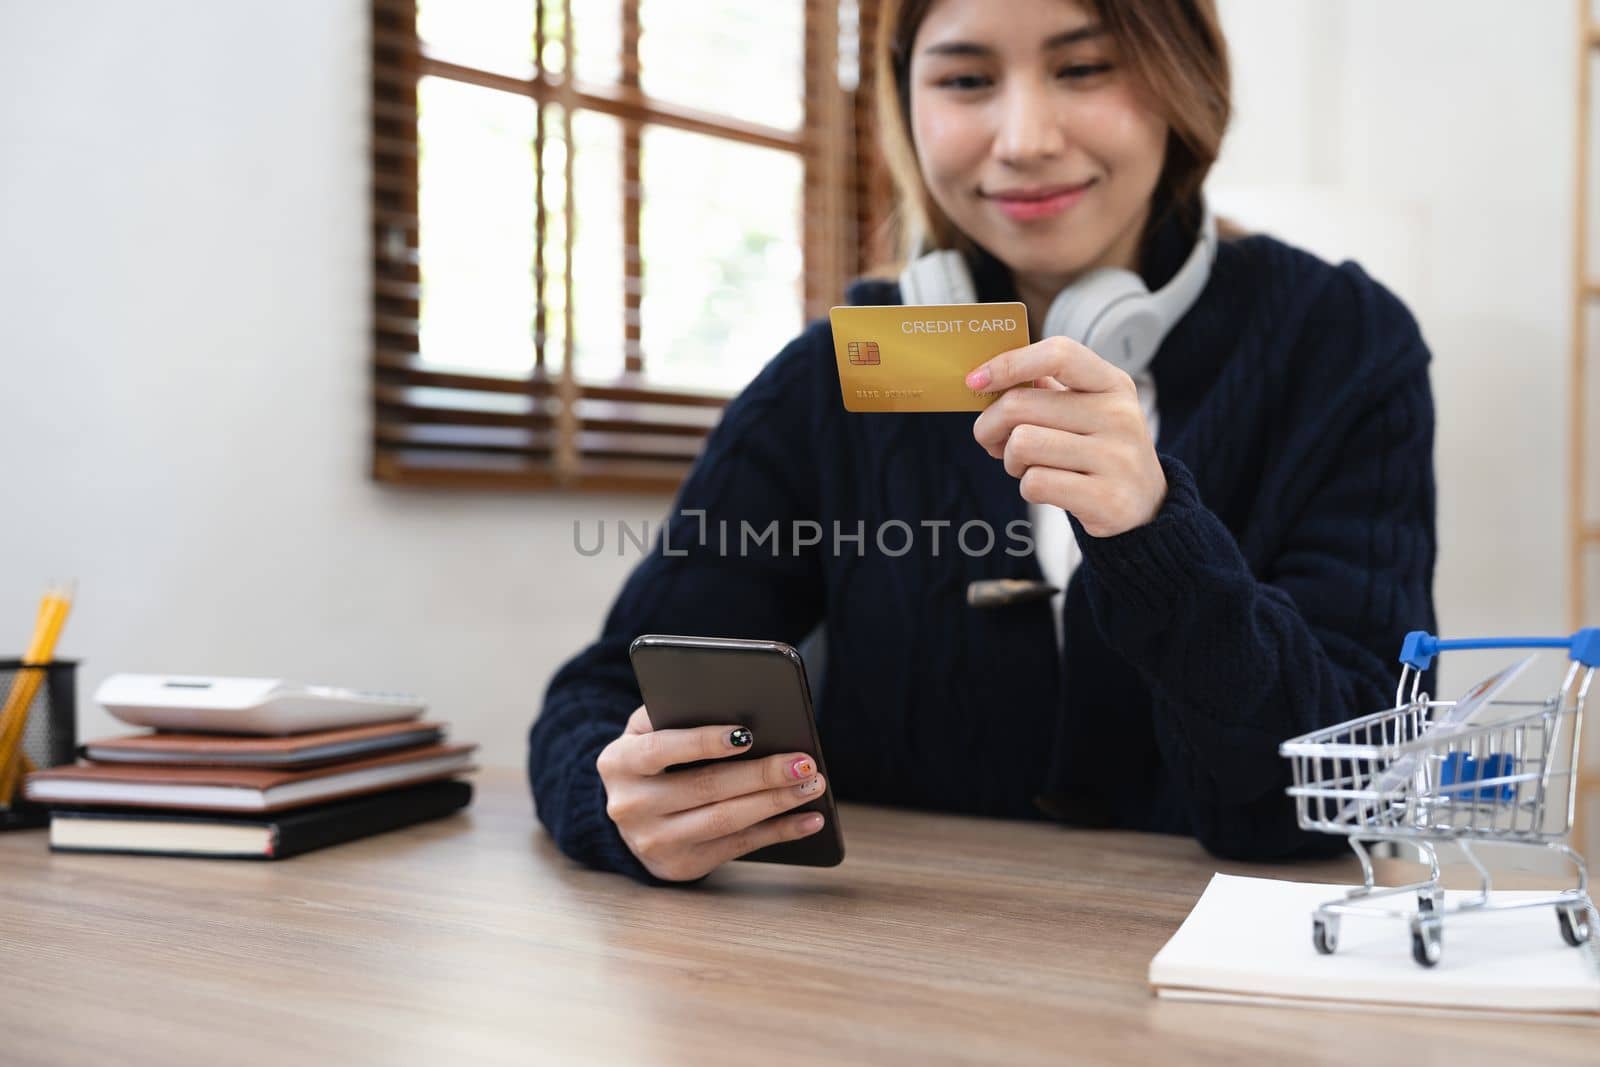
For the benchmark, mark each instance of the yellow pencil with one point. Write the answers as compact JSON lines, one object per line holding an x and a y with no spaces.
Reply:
{"x":14,"y":716}
{"x":47,"y":631}
{"x":53,"y":610}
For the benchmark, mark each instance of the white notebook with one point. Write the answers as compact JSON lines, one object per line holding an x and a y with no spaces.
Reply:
{"x":1248,"y":940}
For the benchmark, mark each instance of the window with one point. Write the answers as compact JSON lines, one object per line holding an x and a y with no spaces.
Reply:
{"x":595,"y":220}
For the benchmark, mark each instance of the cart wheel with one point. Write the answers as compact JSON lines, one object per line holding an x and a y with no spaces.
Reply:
{"x":1325,"y":933}
{"x":1427,"y":941}
{"x":1574,"y":920}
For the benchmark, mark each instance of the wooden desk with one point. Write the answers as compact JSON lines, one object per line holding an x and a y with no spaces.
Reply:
{"x":471,"y":940}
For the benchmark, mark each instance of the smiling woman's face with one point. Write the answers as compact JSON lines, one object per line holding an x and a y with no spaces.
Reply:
{"x":1032,"y":137}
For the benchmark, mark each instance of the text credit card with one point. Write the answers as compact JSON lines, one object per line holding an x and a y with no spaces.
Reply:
{"x":915,"y":358}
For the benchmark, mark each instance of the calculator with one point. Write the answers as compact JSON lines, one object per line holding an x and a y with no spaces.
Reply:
{"x":203,"y":704}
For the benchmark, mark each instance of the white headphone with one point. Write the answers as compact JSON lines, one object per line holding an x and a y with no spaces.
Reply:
{"x":1110,"y":310}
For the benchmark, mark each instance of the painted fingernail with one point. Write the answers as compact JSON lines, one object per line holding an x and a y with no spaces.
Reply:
{"x":807,"y":788}
{"x":802,"y":768}
{"x":811,"y":823}
{"x":740,"y":738}
{"x":978,"y":378}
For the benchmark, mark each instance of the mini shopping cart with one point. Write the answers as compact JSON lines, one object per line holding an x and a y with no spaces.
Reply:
{"x":1508,"y":775}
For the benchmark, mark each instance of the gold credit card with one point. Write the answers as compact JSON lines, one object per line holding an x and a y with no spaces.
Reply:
{"x":916,"y":358}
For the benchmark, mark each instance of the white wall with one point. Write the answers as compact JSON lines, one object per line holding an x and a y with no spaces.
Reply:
{"x":183,"y":321}
{"x":183,"y":314}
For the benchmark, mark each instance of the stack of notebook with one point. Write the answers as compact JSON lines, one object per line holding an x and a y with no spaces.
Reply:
{"x":251,"y":797}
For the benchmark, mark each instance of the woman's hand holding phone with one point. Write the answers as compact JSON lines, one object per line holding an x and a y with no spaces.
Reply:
{"x":687,"y":823}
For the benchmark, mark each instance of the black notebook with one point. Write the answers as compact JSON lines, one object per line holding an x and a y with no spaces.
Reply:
{"x":260,"y":837}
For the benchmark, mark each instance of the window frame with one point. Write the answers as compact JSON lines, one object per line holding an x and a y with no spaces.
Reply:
{"x":553,"y":428}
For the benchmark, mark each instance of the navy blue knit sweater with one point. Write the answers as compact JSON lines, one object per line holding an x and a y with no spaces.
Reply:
{"x":1268,"y":597}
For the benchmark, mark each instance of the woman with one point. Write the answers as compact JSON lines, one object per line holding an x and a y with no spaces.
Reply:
{"x":1240,"y":574}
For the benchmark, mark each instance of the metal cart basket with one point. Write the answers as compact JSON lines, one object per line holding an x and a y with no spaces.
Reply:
{"x":1508,"y":775}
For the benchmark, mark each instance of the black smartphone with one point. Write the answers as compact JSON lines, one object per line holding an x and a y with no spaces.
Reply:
{"x":689,"y":682}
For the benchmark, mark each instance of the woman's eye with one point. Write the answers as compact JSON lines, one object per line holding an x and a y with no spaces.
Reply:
{"x":963,"y":81}
{"x":1072,"y":72}
{"x":1084,"y":70}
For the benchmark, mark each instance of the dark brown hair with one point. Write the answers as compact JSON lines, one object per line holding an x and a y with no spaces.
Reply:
{"x":1173,"y":48}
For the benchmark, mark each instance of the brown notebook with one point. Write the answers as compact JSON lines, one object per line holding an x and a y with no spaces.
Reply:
{"x":241,"y":788}
{"x":294,"y":751}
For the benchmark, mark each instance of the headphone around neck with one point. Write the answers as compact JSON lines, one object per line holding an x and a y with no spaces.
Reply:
{"x":1110,"y":310}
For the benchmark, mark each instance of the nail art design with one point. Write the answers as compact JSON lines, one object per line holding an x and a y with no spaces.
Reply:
{"x":811,"y":786}
{"x":801,"y":768}
{"x":740,"y":738}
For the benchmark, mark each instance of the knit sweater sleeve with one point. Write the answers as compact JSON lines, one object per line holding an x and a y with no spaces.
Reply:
{"x":751,"y":473}
{"x":1240,"y":659}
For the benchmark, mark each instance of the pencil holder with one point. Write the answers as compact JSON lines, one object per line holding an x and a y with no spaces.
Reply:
{"x":50,"y":737}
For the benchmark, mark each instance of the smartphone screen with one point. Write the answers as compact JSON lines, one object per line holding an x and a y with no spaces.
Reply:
{"x":689,"y":682}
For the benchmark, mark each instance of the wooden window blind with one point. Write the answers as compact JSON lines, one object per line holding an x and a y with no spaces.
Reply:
{"x":586,"y":393}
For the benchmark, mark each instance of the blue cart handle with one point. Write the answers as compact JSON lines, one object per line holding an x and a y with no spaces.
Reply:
{"x":1420,"y":646}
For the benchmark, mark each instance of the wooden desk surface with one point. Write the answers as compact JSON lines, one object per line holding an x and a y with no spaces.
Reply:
{"x":471,"y":940}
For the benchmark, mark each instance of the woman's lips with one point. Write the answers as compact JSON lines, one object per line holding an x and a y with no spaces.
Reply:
{"x":1028,"y":206}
